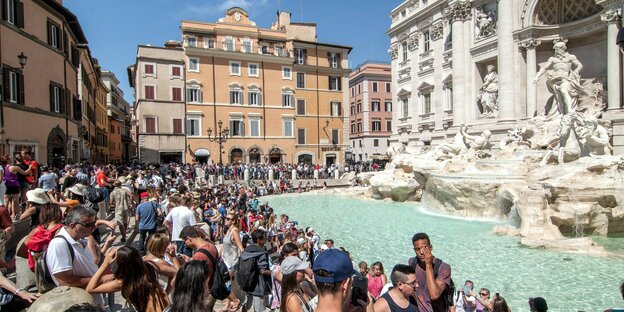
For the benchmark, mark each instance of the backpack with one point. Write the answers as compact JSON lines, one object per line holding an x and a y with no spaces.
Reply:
{"x":38,"y":242}
{"x":248,"y":273}
{"x":447,"y":294}
{"x":93,"y":194}
{"x":43,"y":277}
{"x":221,"y":284}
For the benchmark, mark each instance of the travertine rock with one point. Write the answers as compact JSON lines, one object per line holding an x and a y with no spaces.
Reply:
{"x":61,"y":298}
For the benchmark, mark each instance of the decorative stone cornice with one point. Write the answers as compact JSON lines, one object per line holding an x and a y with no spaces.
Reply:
{"x":412,"y":41}
{"x":394,"y":51}
{"x":611,"y":16}
{"x":437,"y":30}
{"x":530,"y":44}
{"x":459,"y":11}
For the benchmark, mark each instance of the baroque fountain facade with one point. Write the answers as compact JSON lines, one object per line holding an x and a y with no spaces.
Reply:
{"x":533,"y":142}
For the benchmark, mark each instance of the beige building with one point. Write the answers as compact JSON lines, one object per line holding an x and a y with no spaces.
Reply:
{"x":158,"y":80}
{"x":277,"y":91}
{"x":48,"y":35}
{"x":118,"y":111}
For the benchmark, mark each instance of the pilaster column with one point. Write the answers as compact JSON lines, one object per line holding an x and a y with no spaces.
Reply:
{"x":531,"y":70}
{"x":614,"y":74}
{"x":458,"y":13}
{"x":506,"y":61}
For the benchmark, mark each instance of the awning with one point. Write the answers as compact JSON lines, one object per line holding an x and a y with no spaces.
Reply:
{"x":379,"y":157}
{"x":202,"y":152}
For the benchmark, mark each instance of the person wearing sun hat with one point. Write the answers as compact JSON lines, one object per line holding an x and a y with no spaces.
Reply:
{"x":37,"y":198}
{"x":333,"y":273}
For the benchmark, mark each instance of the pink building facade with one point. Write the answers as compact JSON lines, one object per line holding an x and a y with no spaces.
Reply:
{"x":370,"y":121}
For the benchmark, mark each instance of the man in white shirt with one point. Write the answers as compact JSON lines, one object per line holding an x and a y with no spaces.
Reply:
{"x":76,"y":272}
{"x":463,"y":301}
{"x":177,"y":219}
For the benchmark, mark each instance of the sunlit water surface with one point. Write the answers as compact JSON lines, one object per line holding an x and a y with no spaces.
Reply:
{"x":381,"y":231}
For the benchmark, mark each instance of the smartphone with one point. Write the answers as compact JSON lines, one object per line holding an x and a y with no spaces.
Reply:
{"x":359,"y":289}
{"x":467,"y":290}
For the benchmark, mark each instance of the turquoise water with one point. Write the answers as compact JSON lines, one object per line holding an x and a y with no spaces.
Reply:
{"x":381,"y":231}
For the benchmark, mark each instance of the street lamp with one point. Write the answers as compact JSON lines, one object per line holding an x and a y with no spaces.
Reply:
{"x":220,"y":137}
{"x":22,"y":59}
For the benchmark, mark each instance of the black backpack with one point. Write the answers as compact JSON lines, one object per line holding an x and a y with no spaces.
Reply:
{"x":447,"y":295}
{"x":221,"y":285}
{"x":93,"y":194}
{"x":248,"y":273}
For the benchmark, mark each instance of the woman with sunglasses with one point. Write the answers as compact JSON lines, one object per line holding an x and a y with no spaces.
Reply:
{"x":232,"y":248}
{"x":293,"y":297}
{"x":483,"y":300}
{"x":136,"y":279}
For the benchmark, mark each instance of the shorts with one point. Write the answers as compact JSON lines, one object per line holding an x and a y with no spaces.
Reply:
{"x":11,"y":190}
{"x":122,"y":217}
{"x":25,"y":185}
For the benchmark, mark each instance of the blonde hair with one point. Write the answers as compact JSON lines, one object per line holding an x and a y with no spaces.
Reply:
{"x":157,"y":244}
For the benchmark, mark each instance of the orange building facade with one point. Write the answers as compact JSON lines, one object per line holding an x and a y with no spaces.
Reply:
{"x":277,"y":93}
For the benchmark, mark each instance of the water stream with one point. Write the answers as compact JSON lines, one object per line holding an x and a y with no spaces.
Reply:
{"x":381,"y":230}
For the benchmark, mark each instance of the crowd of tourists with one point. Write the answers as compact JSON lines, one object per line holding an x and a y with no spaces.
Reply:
{"x":199,"y":244}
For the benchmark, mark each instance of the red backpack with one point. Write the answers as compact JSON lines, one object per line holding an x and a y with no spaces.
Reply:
{"x":39,"y":242}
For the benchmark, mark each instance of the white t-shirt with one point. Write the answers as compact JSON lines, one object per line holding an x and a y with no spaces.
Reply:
{"x":58,"y":258}
{"x":179,"y":217}
{"x":459,"y":302}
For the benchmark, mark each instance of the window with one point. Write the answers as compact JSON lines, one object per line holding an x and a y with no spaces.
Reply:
{"x":374,"y":87}
{"x":191,"y":41}
{"x":359,"y":127}
{"x":359,"y":89}
{"x":301,"y":136}
{"x":150,"y":124}
{"x":286,"y":72}
{"x":387,"y":87}
{"x":287,"y":100}
{"x":426,"y":41}
{"x":288,"y":127}
{"x":149,"y":92}
{"x":264,"y":49}
{"x":335,"y":109}
{"x":112,"y":129}
{"x":176,"y":72}
{"x":388,"y":142}
{"x":360,"y":146}
{"x":352,"y":109}
{"x":376,"y":106}
{"x":194,"y":94}
{"x":54,"y":34}
{"x":252,"y":69}
{"x":376,"y":142}
{"x":237,"y":128}
{"x":301,"y":56}
{"x":388,"y":106}
{"x":334,"y":60}
{"x":376,"y":125}
{"x":359,"y":107}
{"x":448,"y":96}
{"x":353,"y":129}
{"x":335,"y":136}
{"x":148,"y":69}
{"x":301,"y":107}
{"x":176,"y":94}
{"x":427,"y":103}
{"x":15,"y":85}
{"x":235,"y":68}
{"x":389,"y":125}
{"x":254,"y":126}
{"x":193,"y":65}
{"x":404,"y":52}
{"x":352,"y":91}
{"x":228,"y":44}
{"x":177,"y":126}
{"x":193,"y":126}
{"x":279,"y":51}
{"x":56,"y":98}
{"x":334,"y":83}
{"x":10,"y":11}
{"x":236,"y":97}
{"x":405,"y":104}
{"x":210,"y":43}
{"x":301,"y":80}
{"x":254,"y":98}
{"x":246,"y":46}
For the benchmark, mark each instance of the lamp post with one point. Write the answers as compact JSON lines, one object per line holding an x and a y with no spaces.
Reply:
{"x":22,"y":59}
{"x":220,"y":137}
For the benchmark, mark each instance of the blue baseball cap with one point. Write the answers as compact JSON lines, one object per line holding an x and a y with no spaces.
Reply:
{"x":336,"y":263}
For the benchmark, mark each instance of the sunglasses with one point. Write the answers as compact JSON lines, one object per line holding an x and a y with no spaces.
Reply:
{"x":484,"y":294}
{"x":87,"y":225}
{"x":413,"y":284}
{"x":229,"y":219}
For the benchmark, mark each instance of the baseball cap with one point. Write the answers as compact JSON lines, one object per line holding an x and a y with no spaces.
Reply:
{"x":144,"y":195}
{"x":336,"y":263}
{"x":291,"y":264}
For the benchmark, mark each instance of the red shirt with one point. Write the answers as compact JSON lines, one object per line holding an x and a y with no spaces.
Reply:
{"x":33,"y":172}
{"x":203,"y":257}
{"x":5,"y":218}
{"x":102,"y":180}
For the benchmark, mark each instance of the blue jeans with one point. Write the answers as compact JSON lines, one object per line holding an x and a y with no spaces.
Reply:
{"x":183,"y":249}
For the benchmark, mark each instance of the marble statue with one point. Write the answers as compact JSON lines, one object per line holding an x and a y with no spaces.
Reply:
{"x":395,"y":149}
{"x":484,"y":23}
{"x":487,"y":100}
{"x":462,"y":142}
{"x":476,"y":142}
{"x":563,"y":78}
{"x":519,"y":135}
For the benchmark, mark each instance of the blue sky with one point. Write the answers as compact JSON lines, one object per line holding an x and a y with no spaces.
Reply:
{"x":114,"y":28}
